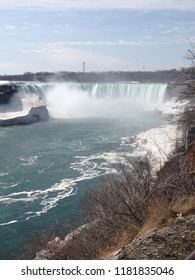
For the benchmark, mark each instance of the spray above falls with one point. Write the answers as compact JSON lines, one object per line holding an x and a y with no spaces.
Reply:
{"x":76,"y":100}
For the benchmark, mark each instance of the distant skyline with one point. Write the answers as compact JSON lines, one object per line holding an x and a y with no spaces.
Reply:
{"x":108,"y":35}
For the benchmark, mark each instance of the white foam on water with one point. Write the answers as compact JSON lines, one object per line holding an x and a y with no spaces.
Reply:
{"x":48,"y":198}
{"x":29,"y":160}
{"x":9,"y":223}
{"x":88,"y":168}
{"x":44,"y":169}
{"x":98,"y":164}
{"x":3,"y":174}
{"x":78,"y":146}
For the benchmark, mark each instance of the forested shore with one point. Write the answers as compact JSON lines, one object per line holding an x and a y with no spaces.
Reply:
{"x":110,"y":76}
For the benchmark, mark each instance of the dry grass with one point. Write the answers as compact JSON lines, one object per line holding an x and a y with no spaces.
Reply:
{"x":162,"y":214}
{"x":185,"y":205}
{"x":158,"y":215}
{"x":125,"y":238}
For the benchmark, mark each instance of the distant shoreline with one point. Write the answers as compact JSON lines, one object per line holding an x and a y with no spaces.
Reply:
{"x":172,"y":75}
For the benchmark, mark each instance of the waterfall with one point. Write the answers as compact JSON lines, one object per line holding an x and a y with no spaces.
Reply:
{"x":147,"y":93}
{"x":97,"y":99}
{"x":33,"y":88}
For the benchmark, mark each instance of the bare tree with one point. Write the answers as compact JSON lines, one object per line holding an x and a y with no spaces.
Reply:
{"x":188,"y":77}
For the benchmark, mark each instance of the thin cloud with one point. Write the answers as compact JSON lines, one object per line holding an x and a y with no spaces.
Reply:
{"x":58,"y":55}
{"x":10,"y":27}
{"x":62,"y":48}
{"x":100,"y":4}
{"x":172,"y":30}
{"x":181,"y":28}
{"x":71,"y":54}
{"x":101,"y":43}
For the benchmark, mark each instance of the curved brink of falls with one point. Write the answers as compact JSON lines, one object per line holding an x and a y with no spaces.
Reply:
{"x":75,"y":100}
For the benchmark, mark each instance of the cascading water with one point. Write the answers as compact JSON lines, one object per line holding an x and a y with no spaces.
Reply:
{"x":75,"y":100}
{"x":146,"y":93}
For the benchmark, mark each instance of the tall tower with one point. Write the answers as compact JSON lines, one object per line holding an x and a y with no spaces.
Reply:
{"x":83,"y":67}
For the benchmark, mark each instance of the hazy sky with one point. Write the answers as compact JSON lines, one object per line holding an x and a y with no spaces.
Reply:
{"x":126,"y":35}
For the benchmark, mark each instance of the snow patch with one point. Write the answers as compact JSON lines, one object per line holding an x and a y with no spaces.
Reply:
{"x":158,"y":143}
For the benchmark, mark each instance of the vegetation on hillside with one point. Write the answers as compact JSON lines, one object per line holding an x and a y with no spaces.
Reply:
{"x":188,"y":77}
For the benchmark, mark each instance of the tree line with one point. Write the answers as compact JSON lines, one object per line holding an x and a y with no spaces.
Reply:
{"x":110,"y":76}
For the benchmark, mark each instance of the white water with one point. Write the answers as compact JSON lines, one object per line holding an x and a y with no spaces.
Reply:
{"x":103,"y":100}
{"x":113,"y":100}
{"x":144,"y":93}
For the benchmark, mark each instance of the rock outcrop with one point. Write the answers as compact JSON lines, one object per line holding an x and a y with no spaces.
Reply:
{"x":171,"y":243}
{"x":7,"y":91}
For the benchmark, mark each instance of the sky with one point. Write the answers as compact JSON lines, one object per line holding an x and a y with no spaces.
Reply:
{"x":108,"y":35}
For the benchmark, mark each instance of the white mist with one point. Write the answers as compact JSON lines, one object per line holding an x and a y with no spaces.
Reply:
{"x":69,"y":100}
